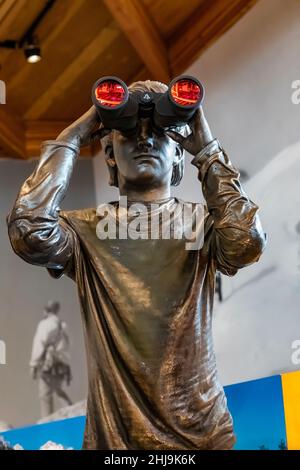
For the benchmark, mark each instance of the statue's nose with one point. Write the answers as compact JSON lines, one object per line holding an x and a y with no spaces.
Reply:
{"x":145,"y":136}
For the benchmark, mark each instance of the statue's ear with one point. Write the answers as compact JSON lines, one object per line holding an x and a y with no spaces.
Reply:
{"x":109,"y":155}
{"x":178,"y":154}
{"x":107,"y":146}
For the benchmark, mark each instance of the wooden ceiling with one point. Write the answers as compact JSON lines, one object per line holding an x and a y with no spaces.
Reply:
{"x":82,"y":40}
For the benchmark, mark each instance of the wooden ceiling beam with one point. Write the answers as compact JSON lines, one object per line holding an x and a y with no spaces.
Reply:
{"x":72,"y":72}
{"x":38,"y":131}
{"x":5,"y":8}
{"x":62,"y":13}
{"x":23,"y":141}
{"x":207,"y":25}
{"x":12,"y":134}
{"x":9,"y":10}
{"x":141,"y":74}
{"x":137,"y":26}
{"x":12,"y":19}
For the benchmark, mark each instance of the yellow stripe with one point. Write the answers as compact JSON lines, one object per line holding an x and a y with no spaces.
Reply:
{"x":291,"y":400}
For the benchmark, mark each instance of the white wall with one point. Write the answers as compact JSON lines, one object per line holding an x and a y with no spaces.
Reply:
{"x":258,"y":321}
{"x":247,"y":75}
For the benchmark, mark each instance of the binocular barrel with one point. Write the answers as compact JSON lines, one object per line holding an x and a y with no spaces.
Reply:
{"x":120,"y":108}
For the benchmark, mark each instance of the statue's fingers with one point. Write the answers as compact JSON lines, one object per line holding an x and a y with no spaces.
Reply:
{"x":195,"y":123}
{"x":176,"y":136}
{"x":100,"y":133}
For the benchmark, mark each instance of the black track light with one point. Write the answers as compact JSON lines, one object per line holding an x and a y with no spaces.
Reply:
{"x":32,"y":52}
{"x":28,"y":42}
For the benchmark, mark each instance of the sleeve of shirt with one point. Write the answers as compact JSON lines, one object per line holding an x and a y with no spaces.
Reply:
{"x":37,"y":231}
{"x":233,"y":225}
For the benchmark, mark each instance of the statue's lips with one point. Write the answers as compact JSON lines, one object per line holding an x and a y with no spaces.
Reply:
{"x":146,"y":156}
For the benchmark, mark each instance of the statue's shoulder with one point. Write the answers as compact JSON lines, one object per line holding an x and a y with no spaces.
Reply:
{"x":199,"y":211}
{"x":87,"y":215}
{"x":194,"y":205}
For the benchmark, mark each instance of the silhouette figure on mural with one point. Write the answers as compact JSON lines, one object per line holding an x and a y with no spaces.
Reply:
{"x":50,"y":360}
{"x":146,"y":303}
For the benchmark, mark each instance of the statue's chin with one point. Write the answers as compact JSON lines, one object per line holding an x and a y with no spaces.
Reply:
{"x":144,"y":176}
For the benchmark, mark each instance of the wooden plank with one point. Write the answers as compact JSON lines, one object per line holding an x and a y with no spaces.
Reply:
{"x":23,"y":141}
{"x":143,"y":35}
{"x":17,"y":72}
{"x":169,"y":15}
{"x":71,"y":73}
{"x":5,"y":7}
{"x":141,"y":75}
{"x":44,"y":130}
{"x":13,"y":24}
{"x":81,"y":28}
{"x":204,"y":28}
{"x":12,"y":137}
{"x":77,"y":97}
{"x":38,"y":131}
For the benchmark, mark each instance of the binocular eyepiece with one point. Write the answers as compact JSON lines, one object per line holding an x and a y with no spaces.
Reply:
{"x":120,"y":108}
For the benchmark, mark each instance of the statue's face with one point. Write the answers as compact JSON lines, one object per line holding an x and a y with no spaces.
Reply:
{"x":146,"y":158}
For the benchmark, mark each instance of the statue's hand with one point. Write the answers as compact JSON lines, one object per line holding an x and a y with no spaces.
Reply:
{"x":199,"y":137}
{"x":80,"y":132}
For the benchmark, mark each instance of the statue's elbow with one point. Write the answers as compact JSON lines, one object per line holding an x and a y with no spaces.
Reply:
{"x":24,"y":240}
{"x":254,"y":246}
{"x":17,"y":241}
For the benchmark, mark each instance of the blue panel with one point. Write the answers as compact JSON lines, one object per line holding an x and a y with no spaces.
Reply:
{"x":258,"y":414}
{"x":68,"y":432}
{"x":256,"y":407}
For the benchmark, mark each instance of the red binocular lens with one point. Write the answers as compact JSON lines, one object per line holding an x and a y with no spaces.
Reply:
{"x":111,"y":93}
{"x":186,"y":92}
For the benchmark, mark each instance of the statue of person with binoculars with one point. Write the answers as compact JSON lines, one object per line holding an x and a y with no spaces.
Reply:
{"x":146,"y":302}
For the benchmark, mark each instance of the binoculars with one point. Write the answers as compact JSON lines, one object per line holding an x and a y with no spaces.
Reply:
{"x":121,"y":109}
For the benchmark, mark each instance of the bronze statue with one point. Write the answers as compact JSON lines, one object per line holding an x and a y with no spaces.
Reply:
{"x":146,"y":303}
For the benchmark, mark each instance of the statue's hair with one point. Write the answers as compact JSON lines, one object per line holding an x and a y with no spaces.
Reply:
{"x":178,"y":169}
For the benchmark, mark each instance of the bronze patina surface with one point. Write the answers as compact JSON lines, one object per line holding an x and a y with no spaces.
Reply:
{"x":146,"y":304}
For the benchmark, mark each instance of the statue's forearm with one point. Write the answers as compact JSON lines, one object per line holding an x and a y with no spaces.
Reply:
{"x":36,"y":232}
{"x":204,"y":131}
{"x":237,"y":238}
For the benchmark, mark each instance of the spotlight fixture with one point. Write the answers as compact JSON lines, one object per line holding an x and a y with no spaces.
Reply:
{"x":32,"y":53}
{"x":28,"y":42}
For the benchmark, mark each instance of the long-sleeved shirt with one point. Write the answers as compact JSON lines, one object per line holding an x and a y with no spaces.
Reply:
{"x":146,"y":304}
